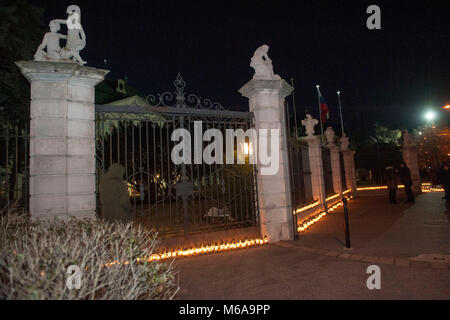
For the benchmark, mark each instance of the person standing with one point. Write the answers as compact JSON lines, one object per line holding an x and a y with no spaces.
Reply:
{"x":114,"y":197}
{"x":405,"y":179}
{"x":391,"y":179}
{"x":444,"y":180}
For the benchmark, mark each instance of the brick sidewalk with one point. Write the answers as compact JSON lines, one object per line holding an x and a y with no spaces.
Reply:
{"x":379,"y":228}
{"x":317,"y":267}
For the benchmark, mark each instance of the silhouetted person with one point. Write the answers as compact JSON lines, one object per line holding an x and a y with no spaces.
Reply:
{"x":114,"y":195}
{"x":405,"y":179}
{"x":444,"y":180}
{"x":391,"y":178}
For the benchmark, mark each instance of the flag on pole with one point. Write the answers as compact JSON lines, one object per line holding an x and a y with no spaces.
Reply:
{"x":324,"y":112}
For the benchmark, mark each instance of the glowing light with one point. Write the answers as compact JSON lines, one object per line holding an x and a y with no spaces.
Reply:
{"x":309,"y":206}
{"x":332,"y":197}
{"x":202,"y":249}
{"x":430,"y":115}
{"x":426,"y":187}
{"x":447,"y":107}
{"x":304,"y":225}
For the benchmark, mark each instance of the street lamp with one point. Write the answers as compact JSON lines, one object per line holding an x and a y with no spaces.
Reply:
{"x":430,"y":115}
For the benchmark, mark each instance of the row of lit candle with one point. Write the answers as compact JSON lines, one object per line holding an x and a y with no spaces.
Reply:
{"x":304,"y":225}
{"x":202,"y":249}
{"x":315,"y":204}
{"x":309,"y":206}
{"x":430,"y":189}
{"x":375,"y":188}
{"x":426,"y":187}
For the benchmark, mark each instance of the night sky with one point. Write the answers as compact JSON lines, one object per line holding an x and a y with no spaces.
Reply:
{"x":390,"y":75}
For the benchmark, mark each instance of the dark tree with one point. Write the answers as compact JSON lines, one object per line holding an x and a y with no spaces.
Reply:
{"x":21,"y":31}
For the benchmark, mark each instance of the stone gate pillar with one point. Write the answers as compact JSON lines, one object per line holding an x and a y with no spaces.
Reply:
{"x":62,"y":144}
{"x":315,"y":159}
{"x":349,"y":165}
{"x":316,"y":167}
{"x":266,"y":101}
{"x":412,"y":161}
{"x":409,"y":151}
{"x":335,"y":160}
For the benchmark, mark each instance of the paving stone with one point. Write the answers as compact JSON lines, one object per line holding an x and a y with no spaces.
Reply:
{"x":345,"y":256}
{"x":401,"y":262}
{"x":333,"y":253}
{"x":439,"y":265}
{"x":370,"y":259}
{"x":419,"y":264}
{"x":384,"y":260}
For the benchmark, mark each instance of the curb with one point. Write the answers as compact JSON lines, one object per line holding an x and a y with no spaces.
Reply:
{"x":398,"y":262}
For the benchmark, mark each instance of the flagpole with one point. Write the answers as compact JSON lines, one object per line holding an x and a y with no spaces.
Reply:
{"x":295,"y":110}
{"x":340,"y":111}
{"x":320,"y":113}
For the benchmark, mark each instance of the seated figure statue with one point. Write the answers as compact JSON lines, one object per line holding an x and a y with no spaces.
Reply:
{"x":262,"y":64}
{"x":51,"y":41}
{"x":76,"y":38}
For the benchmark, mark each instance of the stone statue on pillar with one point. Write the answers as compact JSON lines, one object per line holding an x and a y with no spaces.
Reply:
{"x":344,"y":143}
{"x":329,"y":134}
{"x":309,"y":123}
{"x":408,"y":141}
{"x":409,"y":152}
{"x":76,"y":40}
{"x":262,"y":65}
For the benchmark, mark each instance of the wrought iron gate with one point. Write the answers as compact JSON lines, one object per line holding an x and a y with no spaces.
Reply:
{"x":14,"y":167}
{"x":179,"y":199}
{"x":301,"y":188}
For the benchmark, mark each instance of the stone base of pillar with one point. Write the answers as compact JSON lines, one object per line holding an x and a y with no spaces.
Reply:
{"x":62,"y":138}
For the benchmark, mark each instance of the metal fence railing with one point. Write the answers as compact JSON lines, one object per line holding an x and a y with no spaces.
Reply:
{"x":14,"y":167}
{"x":301,"y":188}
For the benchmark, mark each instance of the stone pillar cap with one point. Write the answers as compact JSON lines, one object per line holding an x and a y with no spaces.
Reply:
{"x":60,"y":71}
{"x":269,"y":86}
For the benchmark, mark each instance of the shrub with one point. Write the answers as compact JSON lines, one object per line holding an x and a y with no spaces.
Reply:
{"x":35,"y":256}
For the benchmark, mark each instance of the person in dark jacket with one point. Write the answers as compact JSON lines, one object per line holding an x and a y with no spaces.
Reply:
{"x":444,"y":180}
{"x":114,"y":197}
{"x":391,"y":178}
{"x":405,"y":179}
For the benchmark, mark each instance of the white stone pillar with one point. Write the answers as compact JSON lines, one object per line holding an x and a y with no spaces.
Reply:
{"x":334,"y":159}
{"x":316,"y":167}
{"x":336,"y":168}
{"x":266,"y":101}
{"x":412,"y":161}
{"x":349,"y":167}
{"x":62,"y":145}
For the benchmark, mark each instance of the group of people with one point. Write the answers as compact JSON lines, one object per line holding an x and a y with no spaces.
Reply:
{"x":395,"y":175}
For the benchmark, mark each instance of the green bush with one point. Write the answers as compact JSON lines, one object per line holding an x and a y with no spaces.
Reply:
{"x":35,"y":256}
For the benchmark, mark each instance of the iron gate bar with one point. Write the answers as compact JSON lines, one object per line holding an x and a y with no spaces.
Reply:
{"x":172,"y":110}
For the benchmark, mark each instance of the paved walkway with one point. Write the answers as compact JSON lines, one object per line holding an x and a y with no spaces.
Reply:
{"x":381,"y":229}
{"x":305,"y":269}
